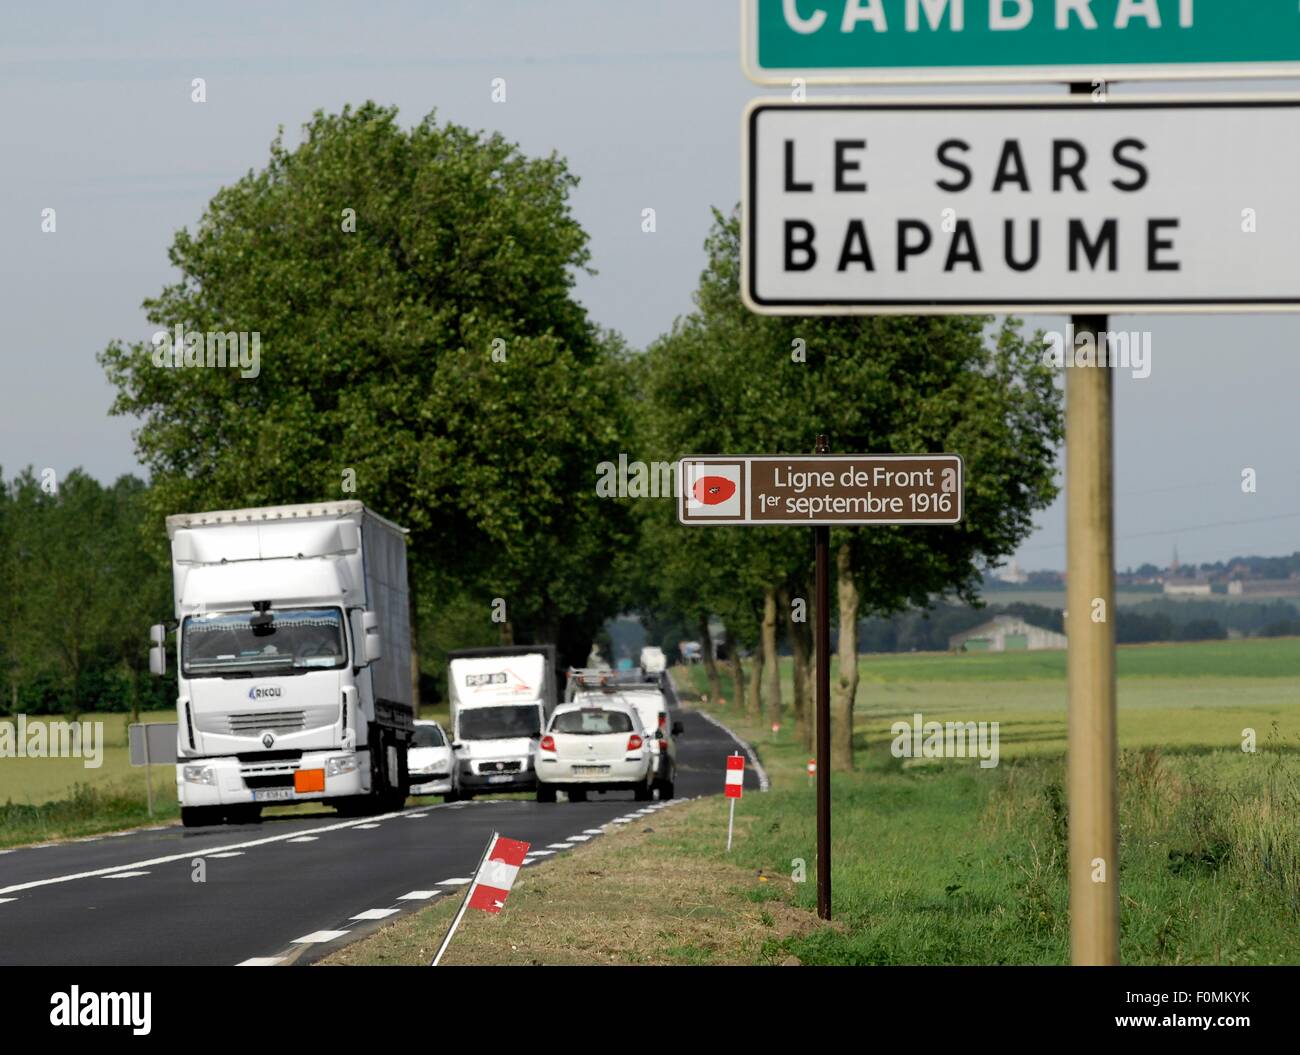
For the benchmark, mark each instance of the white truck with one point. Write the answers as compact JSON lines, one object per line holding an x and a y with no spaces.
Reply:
{"x":501,"y":699}
{"x":294,"y":660}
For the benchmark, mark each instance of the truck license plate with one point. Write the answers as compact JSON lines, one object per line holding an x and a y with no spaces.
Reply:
{"x":272,"y":794}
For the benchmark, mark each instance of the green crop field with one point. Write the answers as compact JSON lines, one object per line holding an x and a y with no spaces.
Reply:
{"x":941,"y":861}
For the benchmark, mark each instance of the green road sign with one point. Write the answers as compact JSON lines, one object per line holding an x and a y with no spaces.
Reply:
{"x":951,"y":41}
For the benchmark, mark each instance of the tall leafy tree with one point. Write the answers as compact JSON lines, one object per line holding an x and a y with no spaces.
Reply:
{"x":421,"y":350}
{"x":731,"y":382}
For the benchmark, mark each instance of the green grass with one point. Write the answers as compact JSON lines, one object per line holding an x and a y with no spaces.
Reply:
{"x":949,"y":863}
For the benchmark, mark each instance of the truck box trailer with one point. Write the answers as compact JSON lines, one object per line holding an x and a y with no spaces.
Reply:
{"x":293,"y":646}
{"x":501,"y":699}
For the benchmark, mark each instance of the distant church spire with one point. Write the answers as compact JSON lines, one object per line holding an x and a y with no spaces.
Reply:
{"x":1175,"y":565}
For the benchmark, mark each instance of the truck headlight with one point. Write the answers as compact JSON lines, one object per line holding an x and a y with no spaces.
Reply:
{"x":336,"y":767}
{"x":200,"y":775}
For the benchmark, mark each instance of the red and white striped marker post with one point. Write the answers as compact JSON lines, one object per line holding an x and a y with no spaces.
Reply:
{"x":812,"y":769}
{"x":491,"y":884}
{"x":735,"y":788}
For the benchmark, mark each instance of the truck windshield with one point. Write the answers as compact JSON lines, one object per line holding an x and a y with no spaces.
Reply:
{"x":499,"y":723}
{"x":226,"y":644}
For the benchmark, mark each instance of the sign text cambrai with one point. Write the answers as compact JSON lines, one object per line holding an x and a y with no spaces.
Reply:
{"x":946,"y":41}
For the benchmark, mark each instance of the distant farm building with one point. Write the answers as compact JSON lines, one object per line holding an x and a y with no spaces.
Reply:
{"x":1006,"y":633}
{"x":1188,"y":587}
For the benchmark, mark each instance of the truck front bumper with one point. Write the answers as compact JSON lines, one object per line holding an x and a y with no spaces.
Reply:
{"x":226,"y":781}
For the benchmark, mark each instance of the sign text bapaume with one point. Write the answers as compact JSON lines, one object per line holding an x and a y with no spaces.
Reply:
{"x":1062,"y":205}
{"x":901,"y":41}
{"x":821,"y":489}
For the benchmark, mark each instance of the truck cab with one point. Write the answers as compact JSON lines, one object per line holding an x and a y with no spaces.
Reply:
{"x":286,"y":691}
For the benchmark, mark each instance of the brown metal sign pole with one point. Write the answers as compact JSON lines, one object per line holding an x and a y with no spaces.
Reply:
{"x":822,"y":645}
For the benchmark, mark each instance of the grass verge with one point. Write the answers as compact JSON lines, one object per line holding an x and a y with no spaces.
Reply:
{"x":660,"y":892}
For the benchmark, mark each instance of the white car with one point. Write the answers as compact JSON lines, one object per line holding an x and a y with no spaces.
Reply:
{"x":431,"y":762}
{"x":597,"y":744}
{"x":651,"y":708}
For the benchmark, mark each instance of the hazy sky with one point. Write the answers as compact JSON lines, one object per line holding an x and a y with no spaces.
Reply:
{"x":644,"y":99}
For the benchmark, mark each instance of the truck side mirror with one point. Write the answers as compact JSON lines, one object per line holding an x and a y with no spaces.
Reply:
{"x":374,"y":643}
{"x":158,"y":650}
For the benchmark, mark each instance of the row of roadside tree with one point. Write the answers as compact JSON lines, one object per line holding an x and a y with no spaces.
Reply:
{"x":422,"y":350}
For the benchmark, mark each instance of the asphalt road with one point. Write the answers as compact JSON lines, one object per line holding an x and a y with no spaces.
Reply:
{"x":133,"y":898}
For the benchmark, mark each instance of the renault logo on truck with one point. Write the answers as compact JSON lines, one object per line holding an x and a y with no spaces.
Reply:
{"x":267,"y":740}
{"x":262,"y":694}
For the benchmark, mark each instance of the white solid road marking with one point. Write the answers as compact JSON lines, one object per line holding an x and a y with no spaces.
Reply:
{"x":759,"y":771}
{"x":125,"y":875}
{"x":455,"y":882}
{"x":375,"y":913}
{"x":228,"y":853}
{"x":360,"y":826}
{"x":316,"y":937}
{"x":303,"y":839}
{"x":419,"y":895}
{"x":260,"y":961}
{"x":187,"y":856}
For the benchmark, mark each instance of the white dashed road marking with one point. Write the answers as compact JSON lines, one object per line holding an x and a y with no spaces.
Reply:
{"x":303,"y":839}
{"x":559,"y":846}
{"x":360,"y":826}
{"x":419,"y":895}
{"x":317,"y":937}
{"x":593,"y":831}
{"x":579,"y":838}
{"x":4,"y":899}
{"x":376,"y":913}
{"x":260,"y":961}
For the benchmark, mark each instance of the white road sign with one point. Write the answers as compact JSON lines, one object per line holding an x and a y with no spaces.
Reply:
{"x":943,"y":206}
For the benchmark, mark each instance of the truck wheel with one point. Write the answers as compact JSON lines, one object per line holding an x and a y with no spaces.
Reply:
{"x":666,"y":790}
{"x":199,"y":816}
{"x":545,"y":792}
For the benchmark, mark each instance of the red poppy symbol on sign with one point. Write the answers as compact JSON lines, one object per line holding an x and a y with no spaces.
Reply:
{"x":713,"y":490}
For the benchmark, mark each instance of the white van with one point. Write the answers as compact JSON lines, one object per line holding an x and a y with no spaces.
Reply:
{"x":501,"y":699}
{"x":653,"y":660}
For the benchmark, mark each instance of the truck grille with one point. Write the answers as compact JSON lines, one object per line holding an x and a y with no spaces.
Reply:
{"x":252,"y":722}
